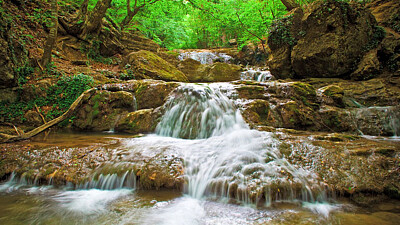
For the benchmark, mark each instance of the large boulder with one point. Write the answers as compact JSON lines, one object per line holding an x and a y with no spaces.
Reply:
{"x":101,"y":111}
{"x":142,"y":121}
{"x":322,"y":40}
{"x":216,"y":72}
{"x":147,"y":65}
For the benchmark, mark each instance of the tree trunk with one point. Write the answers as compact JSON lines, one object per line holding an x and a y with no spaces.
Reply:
{"x":51,"y":39}
{"x":77,"y":103}
{"x":94,"y":20}
{"x":289,"y":4}
{"x":83,"y":11}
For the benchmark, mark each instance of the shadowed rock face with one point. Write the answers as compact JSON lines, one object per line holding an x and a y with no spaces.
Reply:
{"x":325,"y":39}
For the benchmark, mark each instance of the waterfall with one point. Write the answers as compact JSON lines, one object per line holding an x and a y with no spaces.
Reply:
{"x":111,"y":181}
{"x":224,"y":158}
{"x":378,"y":121}
{"x":198,"y":111}
{"x":256,"y":74}
{"x":205,"y":57}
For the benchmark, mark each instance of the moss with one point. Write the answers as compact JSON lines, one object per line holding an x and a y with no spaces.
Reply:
{"x":304,"y":89}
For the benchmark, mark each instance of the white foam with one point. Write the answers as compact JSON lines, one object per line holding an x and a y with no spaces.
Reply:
{"x":321,"y":208}
{"x":89,"y":201}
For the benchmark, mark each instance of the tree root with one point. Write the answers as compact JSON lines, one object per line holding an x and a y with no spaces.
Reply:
{"x":14,"y":138}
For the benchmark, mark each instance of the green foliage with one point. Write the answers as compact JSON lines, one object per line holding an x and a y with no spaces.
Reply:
{"x":66,"y":91}
{"x":51,"y":70}
{"x":23,"y":74}
{"x":280,"y":32}
{"x":92,"y":51}
{"x":395,"y":22}
{"x":41,"y":16}
{"x":59,"y":96}
{"x":377,"y":37}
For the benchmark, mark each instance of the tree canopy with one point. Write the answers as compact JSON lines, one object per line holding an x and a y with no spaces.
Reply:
{"x":189,"y":23}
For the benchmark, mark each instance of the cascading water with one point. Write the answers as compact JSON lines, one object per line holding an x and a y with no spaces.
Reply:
{"x":256,"y":74}
{"x":205,"y":57}
{"x":198,"y":111}
{"x":230,"y":160}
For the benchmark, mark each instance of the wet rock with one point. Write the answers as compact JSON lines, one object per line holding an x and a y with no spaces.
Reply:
{"x":142,"y":121}
{"x":222,"y":72}
{"x":103,"y":110}
{"x":331,"y":95}
{"x":257,"y":113}
{"x":148,"y":93}
{"x":321,"y":40}
{"x":374,"y":92}
{"x":151,"y":94}
{"x":378,"y":121}
{"x":147,"y":65}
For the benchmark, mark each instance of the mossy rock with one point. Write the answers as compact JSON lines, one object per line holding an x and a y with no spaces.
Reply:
{"x":142,"y":121}
{"x":148,"y":65}
{"x":332,"y":95}
{"x":152,"y":94}
{"x":102,"y":110}
{"x":217,"y":72}
{"x":252,"y":92}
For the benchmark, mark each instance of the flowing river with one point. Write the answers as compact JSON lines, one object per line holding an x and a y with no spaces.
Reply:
{"x":232,"y":175}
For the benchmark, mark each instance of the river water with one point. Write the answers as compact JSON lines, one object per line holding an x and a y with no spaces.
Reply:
{"x":233,"y":175}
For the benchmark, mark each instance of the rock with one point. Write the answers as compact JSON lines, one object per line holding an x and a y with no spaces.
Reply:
{"x":38,"y":90}
{"x":257,"y":113}
{"x":221,"y":72}
{"x":147,"y":65}
{"x":331,"y":95}
{"x":190,"y":68}
{"x":368,"y":68}
{"x":9,"y":95}
{"x":386,"y":13}
{"x":152,"y":94}
{"x":252,"y":54}
{"x":374,"y":92}
{"x":103,"y":110}
{"x":232,"y":42}
{"x":148,"y":93}
{"x":7,"y":78}
{"x":322,"y":40}
{"x":33,"y":118}
{"x":389,"y":51}
{"x":217,"y":72}
{"x":142,"y":121}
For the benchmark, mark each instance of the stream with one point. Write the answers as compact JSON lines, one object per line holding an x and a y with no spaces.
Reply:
{"x":233,"y":175}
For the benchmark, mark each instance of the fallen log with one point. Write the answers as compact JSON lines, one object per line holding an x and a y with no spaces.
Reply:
{"x":6,"y":138}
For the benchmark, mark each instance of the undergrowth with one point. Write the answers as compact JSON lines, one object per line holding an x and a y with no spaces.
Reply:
{"x":58,"y":99}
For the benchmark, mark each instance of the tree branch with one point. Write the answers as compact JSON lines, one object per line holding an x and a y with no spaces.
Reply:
{"x":38,"y":130}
